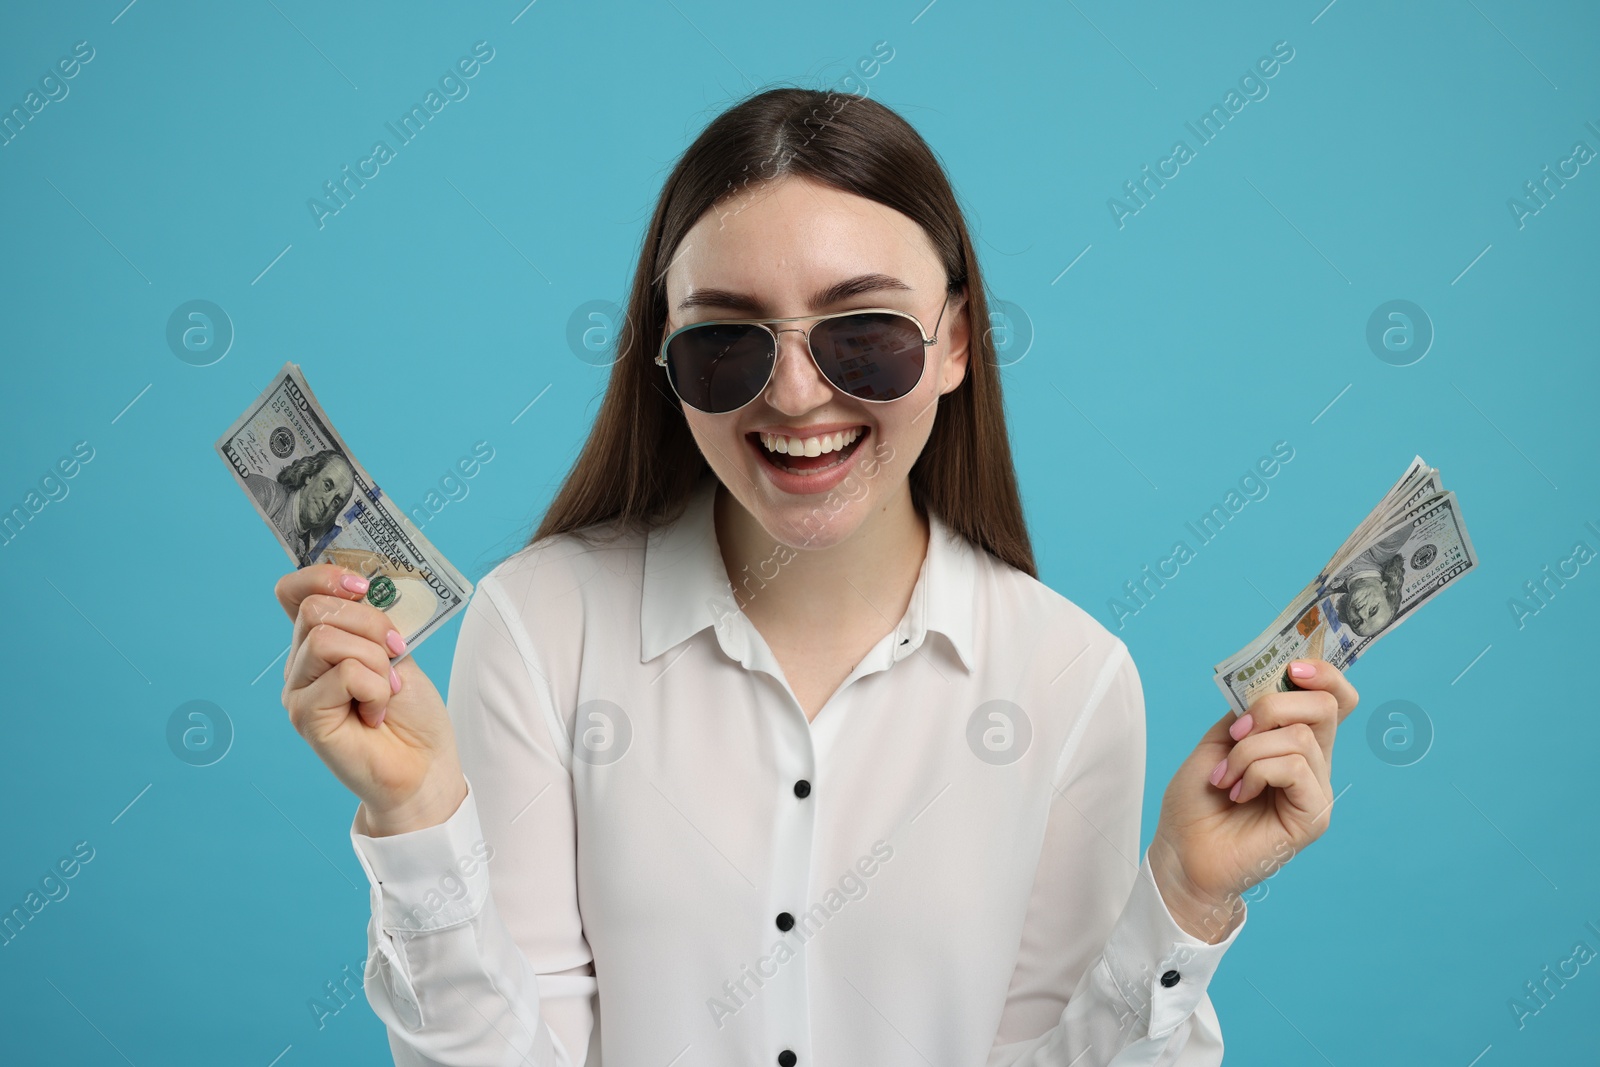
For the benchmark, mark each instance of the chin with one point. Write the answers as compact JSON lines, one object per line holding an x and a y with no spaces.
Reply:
{"x":813,"y":525}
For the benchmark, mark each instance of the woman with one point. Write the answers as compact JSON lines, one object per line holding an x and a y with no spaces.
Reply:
{"x":769,"y":747}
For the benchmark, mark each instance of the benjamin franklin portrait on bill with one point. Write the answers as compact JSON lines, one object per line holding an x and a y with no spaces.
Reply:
{"x":305,"y":499}
{"x":1366,"y":590}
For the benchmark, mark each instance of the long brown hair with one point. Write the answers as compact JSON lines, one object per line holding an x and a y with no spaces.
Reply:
{"x":640,"y":462}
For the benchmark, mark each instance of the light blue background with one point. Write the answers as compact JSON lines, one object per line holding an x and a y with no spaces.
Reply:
{"x":1223,"y":317}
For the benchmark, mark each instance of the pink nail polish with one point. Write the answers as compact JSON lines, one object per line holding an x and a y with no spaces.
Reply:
{"x":396,"y":643}
{"x":354,"y":582}
{"x":1218,"y":772}
{"x":1241,"y":726}
{"x":1301,"y":669}
{"x":379,"y":720}
{"x":394,"y":680}
{"x":1233,"y":794}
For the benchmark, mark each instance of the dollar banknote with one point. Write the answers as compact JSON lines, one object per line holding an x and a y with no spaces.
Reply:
{"x":324,"y":507}
{"x":1411,"y":547}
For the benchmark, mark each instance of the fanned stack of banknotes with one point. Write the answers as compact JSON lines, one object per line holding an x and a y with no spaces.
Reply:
{"x":325,"y":508}
{"x":1407,"y":550}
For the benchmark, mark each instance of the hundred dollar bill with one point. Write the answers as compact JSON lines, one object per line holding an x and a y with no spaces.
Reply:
{"x":1419,"y":482}
{"x":324,"y":507}
{"x":1413,"y":546}
{"x":1413,"y":492}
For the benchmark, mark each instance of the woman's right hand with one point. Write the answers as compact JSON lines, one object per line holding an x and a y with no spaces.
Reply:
{"x":384,"y":732}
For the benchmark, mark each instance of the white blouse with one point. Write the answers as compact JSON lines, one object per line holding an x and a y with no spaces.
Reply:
{"x":661,"y":863}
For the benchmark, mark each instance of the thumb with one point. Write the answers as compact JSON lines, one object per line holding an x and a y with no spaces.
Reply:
{"x":1320,"y":674}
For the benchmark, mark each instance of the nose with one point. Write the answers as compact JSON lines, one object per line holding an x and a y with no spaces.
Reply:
{"x":797,"y":385}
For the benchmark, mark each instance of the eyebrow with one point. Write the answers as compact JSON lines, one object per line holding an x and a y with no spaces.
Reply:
{"x":832,"y":294}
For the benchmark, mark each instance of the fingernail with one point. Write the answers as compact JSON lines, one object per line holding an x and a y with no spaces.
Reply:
{"x":354,"y":582}
{"x":1216,"y":775}
{"x":1301,"y":669}
{"x":394,"y":682}
{"x":396,"y":643}
{"x":1241,"y":726}
{"x":379,"y":720}
{"x":1233,"y":794}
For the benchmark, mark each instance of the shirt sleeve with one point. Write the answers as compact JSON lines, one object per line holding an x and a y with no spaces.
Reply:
{"x":476,"y":953}
{"x":1105,"y":977}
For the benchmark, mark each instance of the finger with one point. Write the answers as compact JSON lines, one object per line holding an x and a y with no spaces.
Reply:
{"x":1214,"y":744}
{"x":1319,"y":674}
{"x":326,"y":647}
{"x":1299,"y":785}
{"x":1273,"y":710}
{"x":333,"y":690}
{"x":327,"y":578}
{"x":1297,"y":737}
{"x":354,"y":616}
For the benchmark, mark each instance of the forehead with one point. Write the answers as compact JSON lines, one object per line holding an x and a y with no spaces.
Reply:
{"x":782,"y":240}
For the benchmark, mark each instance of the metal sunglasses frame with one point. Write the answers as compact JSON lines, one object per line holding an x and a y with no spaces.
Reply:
{"x":766,"y":324}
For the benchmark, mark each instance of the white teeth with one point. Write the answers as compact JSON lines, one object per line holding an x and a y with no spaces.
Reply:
{"x":809,"y":446}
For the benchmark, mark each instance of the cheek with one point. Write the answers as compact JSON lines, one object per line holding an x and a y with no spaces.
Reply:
{"x":715,"y":437}
{"x":706,"y":427}
{"x":907,"y":429}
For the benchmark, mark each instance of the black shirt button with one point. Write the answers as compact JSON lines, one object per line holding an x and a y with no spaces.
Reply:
{"x":785,"y":920}
{"x":787,"y":1059}
{"x":1170,"y":979}
{"x":802,"y":789}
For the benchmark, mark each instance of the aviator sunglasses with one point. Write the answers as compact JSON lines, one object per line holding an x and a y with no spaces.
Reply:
{"x":872,"y":354}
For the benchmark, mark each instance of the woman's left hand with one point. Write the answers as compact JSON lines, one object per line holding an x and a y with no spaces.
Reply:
{"x":1253,"y":793}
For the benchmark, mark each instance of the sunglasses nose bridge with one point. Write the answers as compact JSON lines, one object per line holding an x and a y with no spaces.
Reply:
{"x":804,"y":342}
{"x":783,"y":384}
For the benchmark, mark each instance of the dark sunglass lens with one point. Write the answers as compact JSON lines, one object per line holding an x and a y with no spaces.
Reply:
{"x":872,"y":355}
{"x":720,"y":367}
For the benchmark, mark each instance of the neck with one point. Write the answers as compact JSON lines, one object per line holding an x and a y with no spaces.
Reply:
{"x":869,"y":575}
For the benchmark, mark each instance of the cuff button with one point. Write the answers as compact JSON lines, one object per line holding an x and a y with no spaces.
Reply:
{"x":1170,"y":979}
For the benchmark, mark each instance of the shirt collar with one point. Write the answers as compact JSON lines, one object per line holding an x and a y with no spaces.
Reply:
{"x":686,"y":585}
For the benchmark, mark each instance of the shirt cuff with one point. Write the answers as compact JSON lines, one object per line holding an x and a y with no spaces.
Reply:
{"x":1161,"y":969}
{"x":428,"y":879}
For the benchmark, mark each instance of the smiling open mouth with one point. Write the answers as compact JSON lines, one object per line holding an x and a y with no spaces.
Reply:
{"x":808,"y":455}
